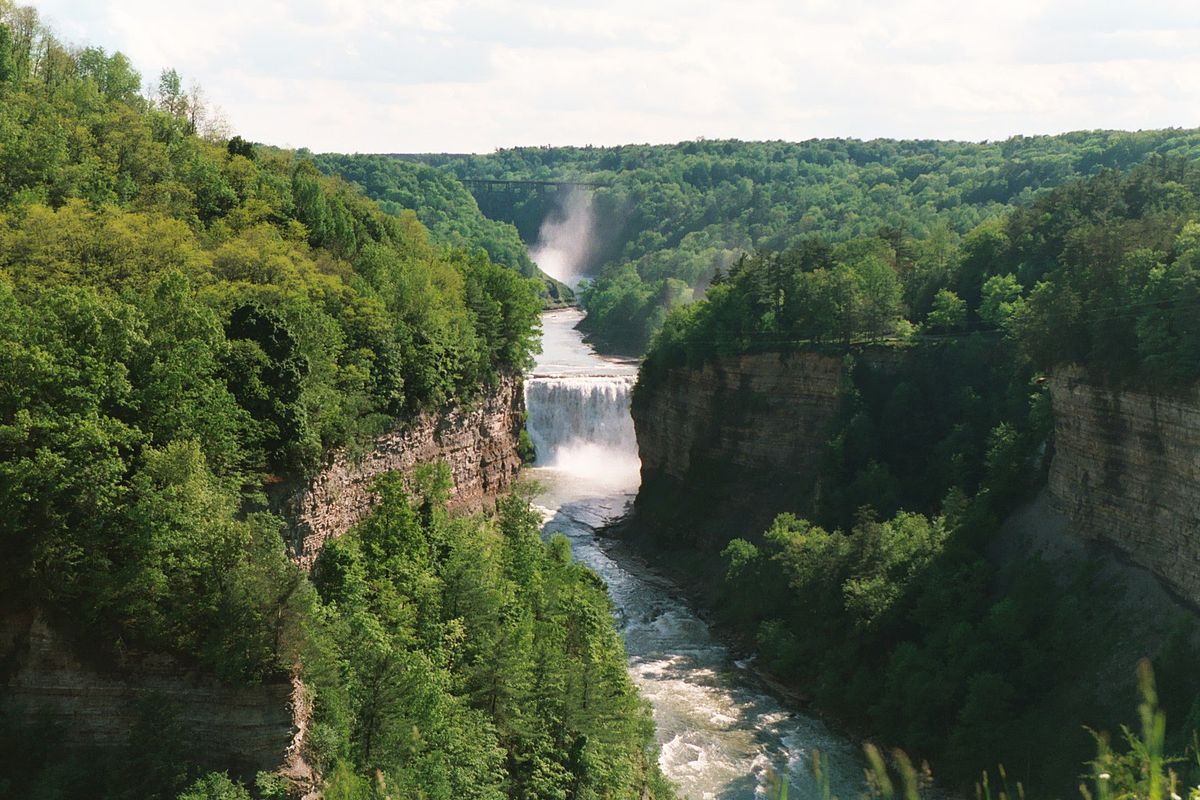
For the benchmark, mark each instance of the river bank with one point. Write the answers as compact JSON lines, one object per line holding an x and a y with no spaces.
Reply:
{"x":723,"y":728}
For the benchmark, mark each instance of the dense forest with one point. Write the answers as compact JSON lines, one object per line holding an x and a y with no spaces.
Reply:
{"x":443,"y":205}
{"x":955,"y":654}
{"x":670,"y":217}
{"x":186,"y":318}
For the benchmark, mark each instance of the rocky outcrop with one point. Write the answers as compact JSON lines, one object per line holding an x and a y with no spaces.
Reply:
{"x":762,"y":412}
{"x":478,"y":441}
{"x":1126,"y":470}
{"x":263,"y":727}
{"x":738,"y":432}
{"x":241,"y":729}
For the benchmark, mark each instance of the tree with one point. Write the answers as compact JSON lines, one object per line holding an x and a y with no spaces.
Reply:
{"x":7,"y":67}
{"x":948,"y":314}
{"x":1000,"y":298}
{"x":240,"y":147}
{"x":214,"y":786}
{"x":113,"y":75}
{"x":171,"y":97}
{"x":878,"y":299}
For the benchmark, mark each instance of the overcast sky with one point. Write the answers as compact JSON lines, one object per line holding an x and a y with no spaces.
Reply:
{"x":474,"y":75}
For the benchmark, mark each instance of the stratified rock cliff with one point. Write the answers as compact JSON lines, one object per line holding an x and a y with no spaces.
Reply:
{"x":241,"y":729}
{"x":478,"y":441}
{"x":247,"y":729}
{"x":1126,"y":471}
{"x":735,"y":432}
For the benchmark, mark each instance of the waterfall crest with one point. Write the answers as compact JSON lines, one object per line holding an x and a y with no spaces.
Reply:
{"x":580,"y":424}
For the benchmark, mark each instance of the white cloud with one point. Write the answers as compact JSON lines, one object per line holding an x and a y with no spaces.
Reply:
{"x":471,"y":75}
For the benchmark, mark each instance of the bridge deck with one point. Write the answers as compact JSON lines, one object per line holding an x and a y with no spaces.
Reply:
{"x":486,"y":183}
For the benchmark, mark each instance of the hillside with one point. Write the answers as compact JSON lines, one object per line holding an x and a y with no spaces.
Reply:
{"x":667,"y":218}
{"x":187,"y":323}
{"x":444,"y":206}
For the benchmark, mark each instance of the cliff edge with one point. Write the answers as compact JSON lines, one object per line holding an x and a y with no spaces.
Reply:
{"x":478,"y":441}
{"x":246,"y":729}
{"x":1126,"y":471}
{"x":741,"y":432}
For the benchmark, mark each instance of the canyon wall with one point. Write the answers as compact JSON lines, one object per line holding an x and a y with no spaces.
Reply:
{"x":240,"y":729}
{"x":1126,"y":471}
{"x":730,"y":443}
{"x":247,"y":729}
{"x":738,"y":433}
{"x":478,"y":441}
{"x":765,"y":411}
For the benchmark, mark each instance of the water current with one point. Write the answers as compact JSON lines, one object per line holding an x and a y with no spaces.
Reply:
{"x":722,"y":731}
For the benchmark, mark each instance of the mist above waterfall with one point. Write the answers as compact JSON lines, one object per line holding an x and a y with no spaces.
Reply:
{"x":565,"y":239}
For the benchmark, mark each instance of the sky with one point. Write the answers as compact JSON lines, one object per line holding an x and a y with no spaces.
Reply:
{"x":475,"y":75}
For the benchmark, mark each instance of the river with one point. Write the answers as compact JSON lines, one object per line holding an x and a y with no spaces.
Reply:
{"x":721,"y":730}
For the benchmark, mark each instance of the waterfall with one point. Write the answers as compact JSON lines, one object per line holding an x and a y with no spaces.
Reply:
{"x":580,"y":425}
{"x":722,"y":734}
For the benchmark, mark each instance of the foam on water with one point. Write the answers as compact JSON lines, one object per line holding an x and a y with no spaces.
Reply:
{"x":721,"y":732}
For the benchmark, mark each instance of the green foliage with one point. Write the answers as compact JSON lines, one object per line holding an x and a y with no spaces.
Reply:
{"x":1141,"y":770}
{"x":937,"y":662}
{"x":441,"y":203}
{"x":185,"y":319}
{"x":686,"y":212}
{"x":1000,"y":299}
{"x":474,"y":661}
{"x":180,"y":317}
{"x":948,"y":314}
{"x":214,"y":786}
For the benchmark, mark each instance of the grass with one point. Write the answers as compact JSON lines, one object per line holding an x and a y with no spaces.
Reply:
{"x":1140,"y":770}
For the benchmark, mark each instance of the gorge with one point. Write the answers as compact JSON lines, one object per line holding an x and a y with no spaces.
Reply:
{"x":723,"y":731}
{"x":1090,"y":534}
{"x":310,"y":486}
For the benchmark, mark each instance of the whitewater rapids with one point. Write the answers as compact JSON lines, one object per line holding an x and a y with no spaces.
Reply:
{"x":721,"y":730}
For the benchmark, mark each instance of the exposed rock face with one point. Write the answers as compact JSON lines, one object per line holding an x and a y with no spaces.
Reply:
{"x":477,"y":441}
{"x":242,"y":729}
{"x":764,"y":411}
{"x":248,"y":729}
{"x":1126,"y":470}
{"x":735,"y":431}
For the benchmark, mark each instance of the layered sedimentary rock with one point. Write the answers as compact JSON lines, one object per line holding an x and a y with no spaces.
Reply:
{"x":1126,"y":471}
{"x":242,"y":729}
{"x":767,"y":411}
{"x":478,"y":441}
{"x":247,"y":729}
{"x":735,"y":433}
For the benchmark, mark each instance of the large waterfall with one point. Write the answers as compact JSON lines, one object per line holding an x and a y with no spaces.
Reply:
{"x":578,"y":406}
{"x":722,"y":732}
{"x":580,"y":424}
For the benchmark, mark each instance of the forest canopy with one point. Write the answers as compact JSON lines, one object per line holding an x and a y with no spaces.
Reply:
{"x":668,"y":218}
{"x":187,"y":318}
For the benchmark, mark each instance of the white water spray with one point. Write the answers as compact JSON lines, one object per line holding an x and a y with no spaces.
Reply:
{"x":565,"y":239}
{"x":721,"y":732}
{"x":580,"y":425}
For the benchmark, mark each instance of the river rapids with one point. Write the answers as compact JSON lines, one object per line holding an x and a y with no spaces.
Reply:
{"x":722,"y":731}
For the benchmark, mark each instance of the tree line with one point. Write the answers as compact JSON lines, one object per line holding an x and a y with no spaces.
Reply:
{"x":670,"y":217}
{"x":187,"y":318}
{"x":881,"y":591}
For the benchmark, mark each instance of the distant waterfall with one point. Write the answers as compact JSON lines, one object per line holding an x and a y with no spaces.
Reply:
{"x":580,"y":424}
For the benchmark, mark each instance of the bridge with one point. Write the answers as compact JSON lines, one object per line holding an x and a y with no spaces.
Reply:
{"x":502,"y":185}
